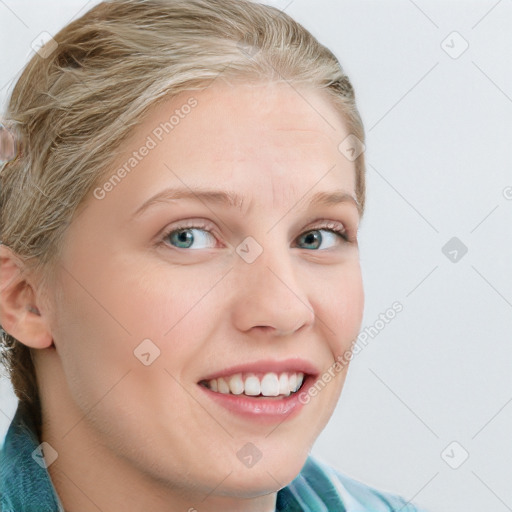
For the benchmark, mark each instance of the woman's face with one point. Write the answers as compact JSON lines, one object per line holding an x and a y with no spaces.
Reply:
{"x":161,"y":295}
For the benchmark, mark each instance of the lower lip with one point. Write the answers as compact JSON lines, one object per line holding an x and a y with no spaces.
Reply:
{"x":264,"y":410}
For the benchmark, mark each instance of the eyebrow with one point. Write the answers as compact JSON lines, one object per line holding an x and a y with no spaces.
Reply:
{"x":234,"y":200}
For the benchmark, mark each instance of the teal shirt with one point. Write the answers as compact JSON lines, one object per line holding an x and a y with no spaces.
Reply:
{"x":25,"y":485}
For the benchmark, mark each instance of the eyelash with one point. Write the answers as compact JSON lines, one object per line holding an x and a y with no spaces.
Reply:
{"x":330,"y":226}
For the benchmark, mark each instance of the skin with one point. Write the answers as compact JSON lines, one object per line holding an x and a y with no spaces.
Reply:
{"x":136,"y":437}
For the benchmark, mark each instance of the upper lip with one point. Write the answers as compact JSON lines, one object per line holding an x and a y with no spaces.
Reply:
{"x":296,"y":365}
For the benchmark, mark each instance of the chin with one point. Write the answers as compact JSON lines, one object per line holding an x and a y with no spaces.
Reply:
{"x":266,"y":476}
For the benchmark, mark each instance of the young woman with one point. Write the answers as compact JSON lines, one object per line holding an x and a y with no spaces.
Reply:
{"x":180,"y":279}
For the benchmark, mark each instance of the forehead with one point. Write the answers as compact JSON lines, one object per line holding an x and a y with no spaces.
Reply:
{"x":271,"y":141}
{"x":245,"y":121}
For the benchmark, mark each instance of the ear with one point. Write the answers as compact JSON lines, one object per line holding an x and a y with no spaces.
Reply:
{"x":20,"y":314}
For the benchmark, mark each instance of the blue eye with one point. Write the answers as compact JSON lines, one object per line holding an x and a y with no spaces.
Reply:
{"x":315,"y":237}
{"x":183,"y":238}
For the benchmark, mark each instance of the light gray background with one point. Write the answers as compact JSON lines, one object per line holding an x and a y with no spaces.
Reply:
{"x":439,"y":140}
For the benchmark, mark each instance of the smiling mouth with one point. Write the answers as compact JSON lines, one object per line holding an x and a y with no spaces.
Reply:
{"x":257,"y":385}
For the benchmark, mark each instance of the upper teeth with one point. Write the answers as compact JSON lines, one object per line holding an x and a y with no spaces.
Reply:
{"x":270,"y":384}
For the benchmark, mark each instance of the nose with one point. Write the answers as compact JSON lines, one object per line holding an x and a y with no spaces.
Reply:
{"x":270,"y":296}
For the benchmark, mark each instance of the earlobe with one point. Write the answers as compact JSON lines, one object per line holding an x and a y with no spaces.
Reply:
{"x":19,"y":314}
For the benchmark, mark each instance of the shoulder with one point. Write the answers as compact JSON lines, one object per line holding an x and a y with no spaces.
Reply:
{"x":321,"y":488}
{"x":24,"y":481}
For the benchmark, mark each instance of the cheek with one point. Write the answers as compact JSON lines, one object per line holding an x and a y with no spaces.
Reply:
{"x":340,"y":305}
{"x":126,"y":303}
{"x":100,"y":330}
{"x":92,"y":343}
{"x":170,"y":307}
{"x":353,"y":302}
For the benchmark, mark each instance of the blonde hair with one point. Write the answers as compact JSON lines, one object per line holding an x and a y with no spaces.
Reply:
{"x":78,"y":99}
